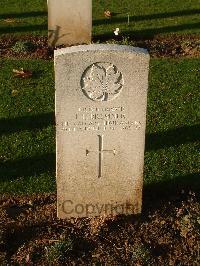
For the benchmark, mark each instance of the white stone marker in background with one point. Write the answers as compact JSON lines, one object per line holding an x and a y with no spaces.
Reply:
{"x":101,"y":99}
{"x":69,"y":22}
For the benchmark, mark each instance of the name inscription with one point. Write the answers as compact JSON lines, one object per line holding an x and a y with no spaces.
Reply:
{"x":99,"y":119}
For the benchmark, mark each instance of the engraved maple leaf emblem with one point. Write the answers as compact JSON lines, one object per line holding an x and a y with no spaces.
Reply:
{"x":102,"y":82}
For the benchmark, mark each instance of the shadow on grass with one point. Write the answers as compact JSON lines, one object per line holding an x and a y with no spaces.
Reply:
{"x":173,"y":137}
{"x":24,"y":15}
{"x":31,"y":122}
{"x":147,"y":33}
{"x":162,"y":197}
{"x":154,"y":141}
{"x":155,"y":194}
{"x":29,"y":28}
{"x":115,"y":19}
{"x":28,"y":167}
{"x":105,"y":36}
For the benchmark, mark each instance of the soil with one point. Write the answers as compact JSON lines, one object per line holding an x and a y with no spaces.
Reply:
{"x":168,"y":46}
{"x":30,"y":234}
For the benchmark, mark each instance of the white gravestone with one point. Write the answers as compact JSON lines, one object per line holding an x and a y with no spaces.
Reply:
{"x":101,"y":99}
{"x":69,"y":22}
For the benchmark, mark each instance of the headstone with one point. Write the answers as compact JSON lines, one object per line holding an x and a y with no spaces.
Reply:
{"x":69,"y":22}
{"x":101,"y":99}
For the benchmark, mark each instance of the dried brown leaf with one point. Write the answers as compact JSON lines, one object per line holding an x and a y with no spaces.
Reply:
{"x":22,"y":73}
{"x":9,"y":20}
{"x":107,"y":14}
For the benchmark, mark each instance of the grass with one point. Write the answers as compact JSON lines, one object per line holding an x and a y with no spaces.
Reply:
{"x":147,"y":18}
{"x":23,"y":17}
{"x":58,"y":251}
{"x":27,"y":132}
{"x":172,"y":143}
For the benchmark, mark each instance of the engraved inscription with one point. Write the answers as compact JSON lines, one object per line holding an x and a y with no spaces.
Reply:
{"x":102,"y":82}
{"x":100,"y":152}
{"x":100,"y":119}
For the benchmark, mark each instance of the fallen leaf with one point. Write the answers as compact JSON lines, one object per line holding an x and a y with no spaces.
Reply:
{"x":22,"y":73}
{"x":9,"y":20}
{"x":107,"y":14}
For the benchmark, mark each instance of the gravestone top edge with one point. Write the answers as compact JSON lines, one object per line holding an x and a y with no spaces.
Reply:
{"x":101,"y":47}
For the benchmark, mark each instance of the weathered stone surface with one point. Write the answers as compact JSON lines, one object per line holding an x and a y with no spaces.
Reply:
{"x":69,"y":22}
{"x":101,"y":99}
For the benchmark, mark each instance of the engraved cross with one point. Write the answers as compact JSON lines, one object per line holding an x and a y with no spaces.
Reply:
{"x":100,"y":152}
